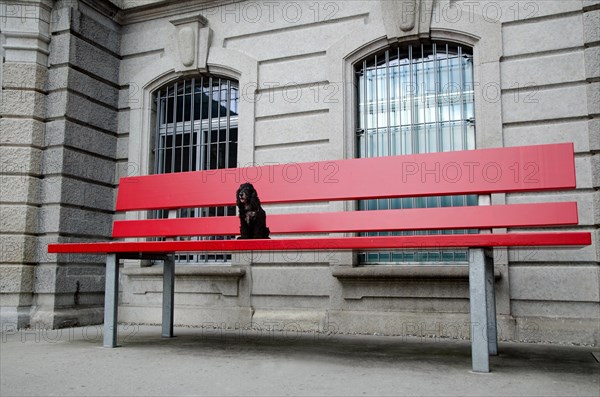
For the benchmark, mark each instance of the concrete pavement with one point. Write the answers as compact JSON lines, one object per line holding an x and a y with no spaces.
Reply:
{"x":71,"y":362}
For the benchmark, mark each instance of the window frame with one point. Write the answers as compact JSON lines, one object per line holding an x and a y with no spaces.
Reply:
{"x":168,"y":125}
{"x":368,"y":94}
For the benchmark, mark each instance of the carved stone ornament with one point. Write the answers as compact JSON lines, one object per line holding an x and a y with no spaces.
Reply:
{"x":193,"y":41}
{"x":405,"y":18}
{"x":408,"y":15}
{"x":187,"y":45}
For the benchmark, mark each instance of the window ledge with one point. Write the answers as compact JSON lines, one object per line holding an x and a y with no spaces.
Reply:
{"x":188,"y":271}
{"x":437,"y":272}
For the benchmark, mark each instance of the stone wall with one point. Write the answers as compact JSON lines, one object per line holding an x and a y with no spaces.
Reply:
{"x":537,"y":83}
{"x":60,"y":119}
{"x":85,"y":118}
{"x":25,"y":31}
{"x":550,"y":80}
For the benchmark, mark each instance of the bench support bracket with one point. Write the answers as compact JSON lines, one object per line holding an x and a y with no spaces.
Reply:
{"x":168,"y":296}
{"x":484,"y":340}
{"x":111,"y":300}
{"x":111,"y":295}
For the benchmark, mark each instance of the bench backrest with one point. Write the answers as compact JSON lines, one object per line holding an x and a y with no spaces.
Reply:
{"x":484,"y":171}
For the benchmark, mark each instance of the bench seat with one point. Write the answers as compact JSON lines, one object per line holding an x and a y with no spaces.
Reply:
{"x":335,"y":244}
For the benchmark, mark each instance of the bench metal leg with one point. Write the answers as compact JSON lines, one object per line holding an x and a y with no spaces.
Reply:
{"x":492,"y":333}
{"x":479,"y":313}
{"x":168,"y":297}
{"x":111,"y":300}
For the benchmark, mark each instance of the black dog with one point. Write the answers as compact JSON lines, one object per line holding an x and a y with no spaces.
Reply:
{"x":253,"y":219}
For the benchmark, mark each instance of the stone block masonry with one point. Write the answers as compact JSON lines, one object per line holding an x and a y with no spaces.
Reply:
{"x":77,"y":113}
{"x":59,"y":123}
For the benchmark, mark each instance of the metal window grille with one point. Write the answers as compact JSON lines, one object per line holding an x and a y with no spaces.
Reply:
{"x":415,"y":99}
{"x":197,"y":129}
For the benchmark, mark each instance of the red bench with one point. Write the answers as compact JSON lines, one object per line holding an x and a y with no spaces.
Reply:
{"x":485,"y":171}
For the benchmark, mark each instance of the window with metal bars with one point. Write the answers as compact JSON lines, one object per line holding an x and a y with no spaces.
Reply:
{"x":197,"y":129}
{"x":415,"y":99}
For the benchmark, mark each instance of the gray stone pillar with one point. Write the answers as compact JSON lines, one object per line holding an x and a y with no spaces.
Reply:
{"x":59,"y":125}
{"x":25,"y":36}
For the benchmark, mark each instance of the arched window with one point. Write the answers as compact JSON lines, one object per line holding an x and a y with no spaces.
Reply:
{"x":196,"y":125}
{"x":197,"y":129}
{"x":415,"y":99}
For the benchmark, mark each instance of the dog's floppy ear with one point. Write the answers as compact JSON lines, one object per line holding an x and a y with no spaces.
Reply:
{"x":254,"y":201}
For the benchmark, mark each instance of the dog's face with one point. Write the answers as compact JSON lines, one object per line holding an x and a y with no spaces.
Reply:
{"x":245,"y":193}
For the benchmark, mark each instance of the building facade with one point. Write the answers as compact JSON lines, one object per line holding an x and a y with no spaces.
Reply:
{"x":96,"y":90}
